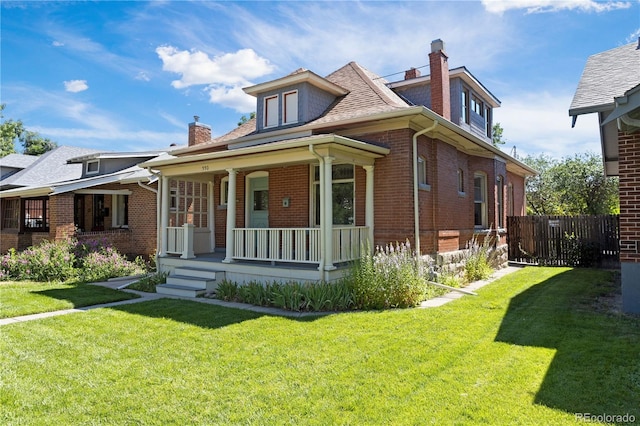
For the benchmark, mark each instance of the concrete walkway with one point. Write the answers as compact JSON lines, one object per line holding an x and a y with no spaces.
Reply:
{"x":117,"y":284}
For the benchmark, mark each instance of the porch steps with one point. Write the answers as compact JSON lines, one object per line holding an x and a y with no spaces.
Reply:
{"x":190,"y":282}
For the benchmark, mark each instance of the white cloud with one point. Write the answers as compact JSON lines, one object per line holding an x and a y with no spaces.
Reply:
{"x":232,"y":97}
{"x":539,"y":6}
{"x":534,"y":129}
{"x":225,"y":75}
{"x":75,"y":86}
{"x":143,"y":76}
{"x":197,"y":68}
{"x":634,"y":36}
{"x":57,"y":43}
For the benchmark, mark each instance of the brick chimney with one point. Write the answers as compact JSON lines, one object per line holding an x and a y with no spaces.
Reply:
{"x":199,"y":133}
{"x":440,"y":94}
{"x":411,"y":73}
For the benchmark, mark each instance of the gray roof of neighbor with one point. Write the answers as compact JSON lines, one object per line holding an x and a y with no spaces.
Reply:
{"x":50,"y":167}
{"x":606,"y":75}
{"x":17,"y":161}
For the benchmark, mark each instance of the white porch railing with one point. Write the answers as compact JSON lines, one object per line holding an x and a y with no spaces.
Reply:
{"x":296,"y":244}
{"x":180,"y":240}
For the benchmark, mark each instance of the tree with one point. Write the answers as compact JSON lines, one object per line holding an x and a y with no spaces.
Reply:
{"x":244,"y":118}
{"x":34,"y":144}
{"x":573,"y":186}
{"x":496,"y":138}
{"x":12,"y":131}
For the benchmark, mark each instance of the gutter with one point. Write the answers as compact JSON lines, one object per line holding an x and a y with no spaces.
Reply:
{"x":416,"y":207}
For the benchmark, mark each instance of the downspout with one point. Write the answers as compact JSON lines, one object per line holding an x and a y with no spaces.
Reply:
{"x":416,"y":207}
{"x":148,"y":188}
{"x":158,"y":211}
{"x":322,"y":218}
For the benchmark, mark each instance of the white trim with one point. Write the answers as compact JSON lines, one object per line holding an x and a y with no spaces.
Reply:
{"x":285,"y":119}
{"x":224,"y":192}
{"x":115,"y":213}
{"x":88,"y":172}
{"x":104,"y":191}
{"x":266,"y":109}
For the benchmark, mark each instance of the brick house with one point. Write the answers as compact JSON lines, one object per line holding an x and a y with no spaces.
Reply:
{"x":330,"y":163}
{"x":610,"y":87}
{"x":81,"y":193}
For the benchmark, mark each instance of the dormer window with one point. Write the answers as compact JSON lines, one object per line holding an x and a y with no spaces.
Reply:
{"x":93,"y":167}
{"x":290,"y":108}
{"x":271,"y":111}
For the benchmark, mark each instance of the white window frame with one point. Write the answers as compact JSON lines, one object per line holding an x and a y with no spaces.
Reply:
{"x":315,"y":187}
{"x":510,"y":201}
{"x":92,"y":172}
{"x":173,"y":199}
{"x":268,"y":112}
{"x":482,"y":200}
{"x":286,"y":103}
{"x":118,"y":216}
{"x":423,"y":181}
{"x":461,"y":182}
{"x":466,"y":99}
{"x":224,"y":191}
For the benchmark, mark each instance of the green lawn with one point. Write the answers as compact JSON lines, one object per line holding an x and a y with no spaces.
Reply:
{"x":27,"y":297}
{"x":530,"y":349}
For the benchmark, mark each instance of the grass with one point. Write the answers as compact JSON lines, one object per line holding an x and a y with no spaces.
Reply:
{"x":28,"y":297}
{"x":530,"y":349}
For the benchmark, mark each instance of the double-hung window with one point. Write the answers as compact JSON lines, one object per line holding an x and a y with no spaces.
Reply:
{"x":36,"y":214}
{"x":465,"y":106}
{"x":290,"y":107}
{"x":500,"y":201}
{"x":11,"y":214}
{"x":120,"y":208}
{"x":422,"y":173}
{"x":271,"y":115}
{"x":343,"y":194}
{"x":480,"y":200}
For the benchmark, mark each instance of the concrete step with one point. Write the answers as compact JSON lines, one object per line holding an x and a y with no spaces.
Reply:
{"x":198,"y":273}
{"x":179,"y":290}
{"x":192,"y":282}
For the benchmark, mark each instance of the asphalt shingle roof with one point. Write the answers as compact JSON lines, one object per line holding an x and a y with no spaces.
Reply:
{"x":368,"y":94}
{"x":606,"y":75}
{"x":17,"y":161}
{"x":50,"y":167}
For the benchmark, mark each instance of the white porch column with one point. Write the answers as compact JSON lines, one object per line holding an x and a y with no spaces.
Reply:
{"x":231,"y":215}
{"x":327,"y":207}
{"x":211,"y":217}
{"x":187,"y":241}
{"x":368,"y":216}
{"x":165,"y":189}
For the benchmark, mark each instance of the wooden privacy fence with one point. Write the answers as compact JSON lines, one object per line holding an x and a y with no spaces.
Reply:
{"x":565,"y":240}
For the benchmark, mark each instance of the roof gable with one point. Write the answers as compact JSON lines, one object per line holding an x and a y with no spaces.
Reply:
{"x":606,"y":75}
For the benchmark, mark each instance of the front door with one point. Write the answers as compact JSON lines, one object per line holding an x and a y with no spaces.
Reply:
{"x":259,"y":202}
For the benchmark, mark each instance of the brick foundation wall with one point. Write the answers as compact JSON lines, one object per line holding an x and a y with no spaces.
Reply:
{"x":629,"y":172}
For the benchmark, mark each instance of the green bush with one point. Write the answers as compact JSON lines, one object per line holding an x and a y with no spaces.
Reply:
{"x":108,"y":263}
{"x":478,"y":259}
{"x":49,"y":261}
{"x":149,"y":283}
{"x":64,"y":260}
{"x":392,"y":277}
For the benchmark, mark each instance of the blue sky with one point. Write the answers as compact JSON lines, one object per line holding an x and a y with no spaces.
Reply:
{"x":130,"y":76}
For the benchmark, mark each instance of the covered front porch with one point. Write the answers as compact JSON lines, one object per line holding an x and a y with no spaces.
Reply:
{"x":303,"y":205}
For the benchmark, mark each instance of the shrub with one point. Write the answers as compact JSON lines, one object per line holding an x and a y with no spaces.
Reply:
{"x":108,"y":263}
{"x":49,"y":261}
{"x":227,"y":290}
{"x":478,"y":258}
{"x":392,"y":277}
{"x":149,"y":283}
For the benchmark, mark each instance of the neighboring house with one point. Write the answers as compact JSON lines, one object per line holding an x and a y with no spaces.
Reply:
{"x":610,"y":87}
{"x":331,"y":163}
{"x":81,"y":193}
{"x":13,"y":163}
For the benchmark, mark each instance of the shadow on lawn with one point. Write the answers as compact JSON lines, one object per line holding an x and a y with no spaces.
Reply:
{"x":196,"y":313}
{"x":82,"y":295}
{"x":596,"y":368}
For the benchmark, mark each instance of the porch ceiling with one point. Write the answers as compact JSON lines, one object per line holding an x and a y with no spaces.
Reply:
{"x":294,"y":151}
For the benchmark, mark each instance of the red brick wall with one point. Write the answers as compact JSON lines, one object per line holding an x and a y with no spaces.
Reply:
{"x":629,"y":171}
{"x":61,"y":224}
{"x":289,"y":182}
{"x":199,"y":133}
